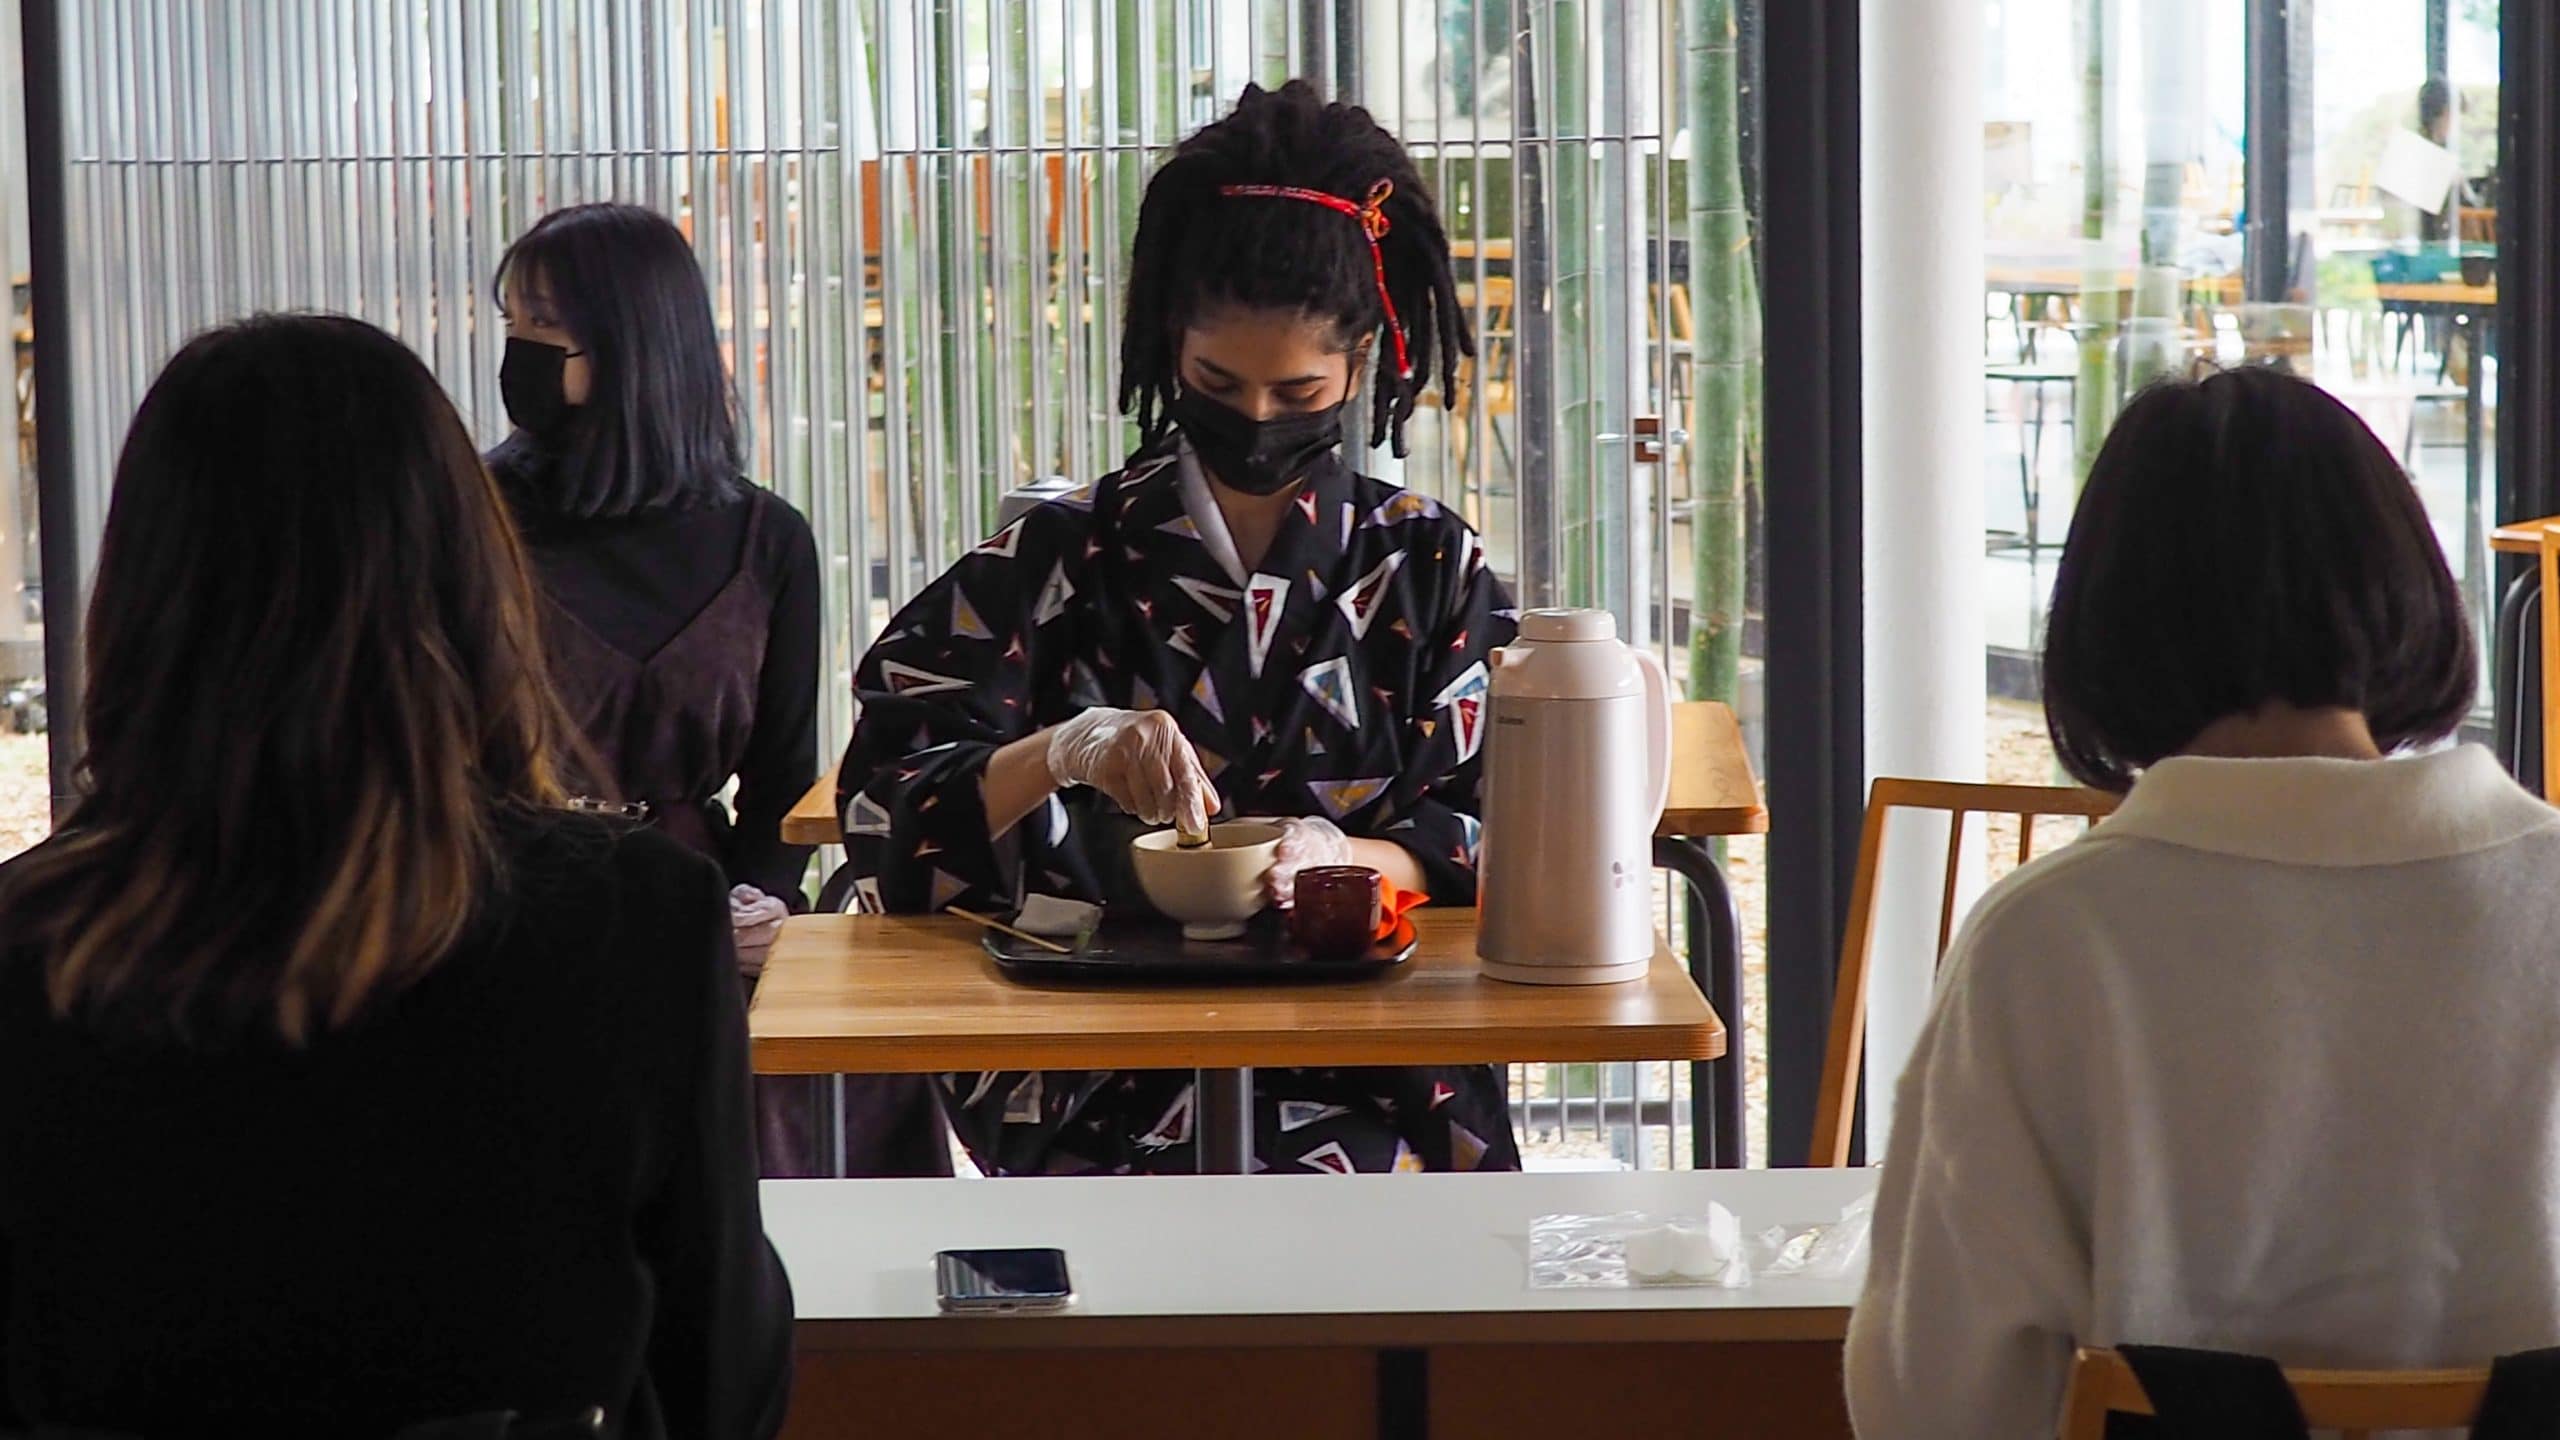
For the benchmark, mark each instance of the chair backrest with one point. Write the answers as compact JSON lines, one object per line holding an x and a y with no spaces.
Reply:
{"x":1835,"y":1112}
{"x":2550,"y":662}
{"x":2353,"y":1402}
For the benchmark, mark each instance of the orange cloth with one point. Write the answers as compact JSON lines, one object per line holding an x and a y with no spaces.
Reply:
{"x":1394,"y":904}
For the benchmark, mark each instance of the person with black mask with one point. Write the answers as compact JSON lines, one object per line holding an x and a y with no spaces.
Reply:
{"x":1234,"y":624}
{"x":681,"y":614}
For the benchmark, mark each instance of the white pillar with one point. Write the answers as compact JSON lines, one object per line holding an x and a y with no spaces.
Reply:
{"x":1920,"y":167}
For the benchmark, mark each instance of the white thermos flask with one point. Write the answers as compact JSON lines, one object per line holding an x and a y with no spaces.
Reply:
{"x":1577,"y":767}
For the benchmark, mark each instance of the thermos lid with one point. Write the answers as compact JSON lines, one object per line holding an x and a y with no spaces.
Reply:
{"x":1568,"y":625}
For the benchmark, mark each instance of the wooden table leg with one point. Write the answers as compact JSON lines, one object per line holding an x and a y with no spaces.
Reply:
{"x":1224,"y":1125}
{"x":1715,"y":963}
{"x":1404,"y":1394}
{"x":826,"y":1099}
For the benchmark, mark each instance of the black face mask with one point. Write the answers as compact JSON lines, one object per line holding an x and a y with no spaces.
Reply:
{"x":1258,"y":457}
{"x":529,"y":381}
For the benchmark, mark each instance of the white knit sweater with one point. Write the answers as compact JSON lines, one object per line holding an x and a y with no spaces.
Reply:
{"x":2268,"y":1062}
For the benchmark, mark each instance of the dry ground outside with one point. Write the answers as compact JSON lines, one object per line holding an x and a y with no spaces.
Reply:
{"x":24,"y":790}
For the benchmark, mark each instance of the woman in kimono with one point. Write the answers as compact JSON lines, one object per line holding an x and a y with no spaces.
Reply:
{"x":1234,"y":624}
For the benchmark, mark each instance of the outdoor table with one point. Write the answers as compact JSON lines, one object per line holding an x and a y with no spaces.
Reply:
{"x":2033,"y":278}
{"x":2476,"y":308}
{"x":918,"y":994}
{"x":1714,"y":794}
{"x":1396,"y":1305}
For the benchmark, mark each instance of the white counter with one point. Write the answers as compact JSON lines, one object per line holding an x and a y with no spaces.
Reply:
{"x":1373,"y":1259}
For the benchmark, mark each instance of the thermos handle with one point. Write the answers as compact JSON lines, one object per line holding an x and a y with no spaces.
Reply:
{"x":1657,"y":687}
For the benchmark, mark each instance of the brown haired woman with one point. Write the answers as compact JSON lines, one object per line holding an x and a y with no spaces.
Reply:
{"x":345,"y":1080}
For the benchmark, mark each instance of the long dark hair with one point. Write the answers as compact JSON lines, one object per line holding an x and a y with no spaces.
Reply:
{"x":1198,"y":248}
{"x":315,"y":685}
{"x":656,"y":431}
{"x":2245,"y":540}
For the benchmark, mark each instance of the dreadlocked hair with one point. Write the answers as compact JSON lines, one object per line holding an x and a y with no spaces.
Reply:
{"x":1199,"y":250}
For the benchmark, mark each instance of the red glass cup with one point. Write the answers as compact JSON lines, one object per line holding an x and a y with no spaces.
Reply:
{"x":1335,"y":915}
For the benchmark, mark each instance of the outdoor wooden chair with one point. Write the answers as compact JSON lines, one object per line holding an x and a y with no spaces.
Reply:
{"x":1485,"y":378}
{"x":2353,"y":1402}
{"x":1835,"y":1112}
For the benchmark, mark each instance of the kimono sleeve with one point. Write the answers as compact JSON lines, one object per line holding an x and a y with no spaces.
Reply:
{"x":1438,"y":798}
{"x":951,"y":681}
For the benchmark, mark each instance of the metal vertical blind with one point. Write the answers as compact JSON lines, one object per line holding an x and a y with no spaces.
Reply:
{"x":914,"y":217}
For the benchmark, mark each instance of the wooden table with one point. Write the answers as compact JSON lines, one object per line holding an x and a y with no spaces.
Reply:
{"x":2041,"y":278}
{"x":813,"y":820}
{"x":2475,"y":307}
{"x":1388,"y":1305}
{"x":916,"y":994}
{"x":2438,"y":292}
{"x":1713,"y":794}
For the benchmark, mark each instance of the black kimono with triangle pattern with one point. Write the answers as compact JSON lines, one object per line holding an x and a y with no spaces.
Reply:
{"x":1347,"y":678}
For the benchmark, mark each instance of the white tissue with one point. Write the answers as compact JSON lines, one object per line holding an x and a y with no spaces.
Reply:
{"x":1691,"y":1247}
{"x":1719,"y":1232}
{"x":1049,"y":916}
{"x":1650,"y":1253}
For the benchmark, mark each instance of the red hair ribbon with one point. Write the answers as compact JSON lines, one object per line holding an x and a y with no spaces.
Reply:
{"x":1372,"y":215}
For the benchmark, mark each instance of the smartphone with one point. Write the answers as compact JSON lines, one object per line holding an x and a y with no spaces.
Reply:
{"x":1003,"y":1282}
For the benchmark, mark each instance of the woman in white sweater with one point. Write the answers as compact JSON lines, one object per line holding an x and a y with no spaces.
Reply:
{"x":2270,"y":1061}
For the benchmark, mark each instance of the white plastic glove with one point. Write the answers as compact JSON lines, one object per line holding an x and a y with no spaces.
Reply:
{"x":1141,"y":759}
{"x":1304,"y":845}
{"x":755,"y":920}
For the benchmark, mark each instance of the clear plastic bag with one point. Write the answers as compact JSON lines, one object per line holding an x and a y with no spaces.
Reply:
{"x":1825,"y":1251}
{"x":1589,"y":1252}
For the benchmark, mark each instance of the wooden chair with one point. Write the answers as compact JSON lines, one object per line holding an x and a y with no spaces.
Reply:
{"x":2352,"y":1402}
{"x":2550,"y":662}
{"x":26,"y":388}
{"x":1835,"y":1112}
{"x":1485,"y":379}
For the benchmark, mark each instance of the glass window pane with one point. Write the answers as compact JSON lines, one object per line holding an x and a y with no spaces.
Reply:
{"x":2117,"y":147}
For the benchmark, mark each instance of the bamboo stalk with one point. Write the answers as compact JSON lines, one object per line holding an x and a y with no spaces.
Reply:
{"x":1727,"y":304}
{"x":2094,"y":408}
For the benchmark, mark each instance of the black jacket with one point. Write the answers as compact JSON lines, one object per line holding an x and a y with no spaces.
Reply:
{"x":526,"y":1183}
